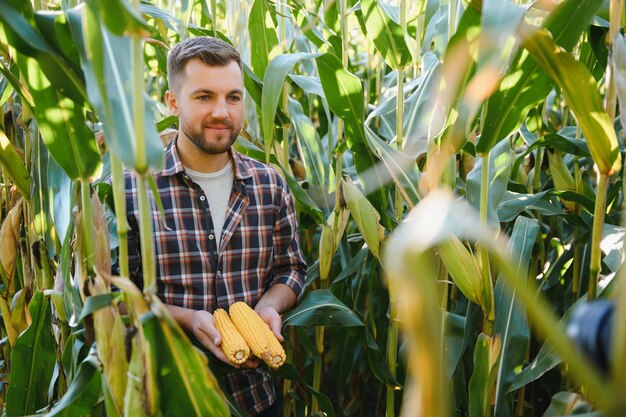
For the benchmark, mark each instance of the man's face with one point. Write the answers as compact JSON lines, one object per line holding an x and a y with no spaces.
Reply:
{"x":209,"y":104}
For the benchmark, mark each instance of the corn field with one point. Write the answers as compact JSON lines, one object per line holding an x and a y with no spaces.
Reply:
{"x":457,"y":171}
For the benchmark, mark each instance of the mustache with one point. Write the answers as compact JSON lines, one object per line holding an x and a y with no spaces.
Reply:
{"x":219,"y":122}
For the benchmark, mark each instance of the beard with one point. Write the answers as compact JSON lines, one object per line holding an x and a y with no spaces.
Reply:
{"x":212,"y":147}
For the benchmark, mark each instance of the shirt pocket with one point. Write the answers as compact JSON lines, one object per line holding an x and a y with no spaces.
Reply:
{"x":182,"y":261}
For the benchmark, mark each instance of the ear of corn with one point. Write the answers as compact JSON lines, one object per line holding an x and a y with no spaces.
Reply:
{"x":257,"y":334}
{"x":233,"y":344}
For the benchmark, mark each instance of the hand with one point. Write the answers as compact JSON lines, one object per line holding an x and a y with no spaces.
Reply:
{"x":203,"y":328}
{"x":272,"y":318}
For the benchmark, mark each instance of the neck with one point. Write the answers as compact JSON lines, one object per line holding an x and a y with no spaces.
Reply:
{"x":198,"y":160}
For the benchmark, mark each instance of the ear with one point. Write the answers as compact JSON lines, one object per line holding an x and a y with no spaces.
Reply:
{"x":172,"y":102}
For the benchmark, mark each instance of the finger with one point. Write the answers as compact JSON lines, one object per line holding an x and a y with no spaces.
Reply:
{"x":208,"y":327}
{"x":214,"y":348}
{"x":276,"y":325}
{"x":251,"y":363}
{"x":219,"y":354}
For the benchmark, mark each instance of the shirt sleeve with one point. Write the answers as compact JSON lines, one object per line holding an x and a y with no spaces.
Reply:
{"x":289,"y":263}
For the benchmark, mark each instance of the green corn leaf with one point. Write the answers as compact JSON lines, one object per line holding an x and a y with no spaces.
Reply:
{"x":512,"y":204}
{"x":288,"y":371}
{"x":35,"y":355}
{"x":312,"y":85}
{"x":13,"y":166}
{"x":486,"y":355}
{"x":56,"y":30}
{"x":95,"y":303}
{"x":322,"y":308}
{"x":386,"y":34}
{"x":120,"y":17}
{"x":272,"y":87}
{"x":263,"y":39}
{"x":581,"y":94}
{"x":62,"y":125}
{"x":353,"y":268}
{"x":309,"y":84}
{"x":167,"y":122}
{"x":499,"y":169}
{"x":454,"y":332}
{"x":18,"y":29}
{"x":40,"y":189}
{"x":185,"y":383}
{"x":570,"y":404}
{"x":344,"y":93}
{"x":618,"y":64}
{"x":320,"y":173}
{"x":400,"y":166}
{"x":23,"y":93}
{"x":105,"y":59}
{"x":557,"y":141}
{"x":546,"y":359}
{"x":82,"y":394}
{"x":60,"y":193}
{"x":525,"y":85}
{"x":511,"y":322}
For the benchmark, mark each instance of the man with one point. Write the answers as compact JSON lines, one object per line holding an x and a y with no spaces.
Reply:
{"x":230,"y":230}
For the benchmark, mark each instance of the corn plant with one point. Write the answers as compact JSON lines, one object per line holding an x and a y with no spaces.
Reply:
{"x":457,"y":170}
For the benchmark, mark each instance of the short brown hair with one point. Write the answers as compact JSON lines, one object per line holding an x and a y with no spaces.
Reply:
{"x":211,"y":51}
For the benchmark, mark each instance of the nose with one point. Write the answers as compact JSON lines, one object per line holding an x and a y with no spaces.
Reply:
{"x":220,"y":111}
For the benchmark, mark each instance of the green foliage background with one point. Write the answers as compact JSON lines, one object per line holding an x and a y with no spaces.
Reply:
{"x":457,"y":168}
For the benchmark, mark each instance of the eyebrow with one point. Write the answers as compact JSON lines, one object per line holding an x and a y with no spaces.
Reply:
{"x":207,"y":91}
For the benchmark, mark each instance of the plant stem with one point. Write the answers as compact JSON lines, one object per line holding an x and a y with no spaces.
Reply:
{"x":141,"y":166}
{"x":616,"y":8}
{"x":88,"y":226}
{"x":576,"y":257}
{"x":618,"y":348}
{"x":319,"y":360}
{"x":119,"y":197}
{"x":452,"y":10}
{"x":141,"y":162}
{"x":392,"y":356}
{"x":537,"y":171}
{"x":598,"y":228}
{"x":146,"y":236}
{"x":484,"y":254}
{"x":392,"y":333}
{"x":287,"y":402}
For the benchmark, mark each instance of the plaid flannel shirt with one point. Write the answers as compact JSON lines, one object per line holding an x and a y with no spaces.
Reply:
{"x":259,"y":247}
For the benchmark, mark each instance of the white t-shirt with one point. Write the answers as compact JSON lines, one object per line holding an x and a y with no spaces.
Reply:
{"x":217,"y":187}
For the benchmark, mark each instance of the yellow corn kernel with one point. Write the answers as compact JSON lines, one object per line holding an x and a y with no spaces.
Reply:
{"x":257,"y":334}
{"x":233,"y":344}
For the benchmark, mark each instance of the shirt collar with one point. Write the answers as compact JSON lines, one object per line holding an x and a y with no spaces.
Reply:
{"x":173,"y":165}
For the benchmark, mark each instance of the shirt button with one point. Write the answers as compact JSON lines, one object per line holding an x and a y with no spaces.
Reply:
{"x":219,"y":273}
{"x":211,"y":237}
{"x":202,"y":198}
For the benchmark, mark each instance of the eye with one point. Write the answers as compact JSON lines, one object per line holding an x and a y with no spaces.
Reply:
{"x":204,"y":97}
{"x":235,"y":99}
